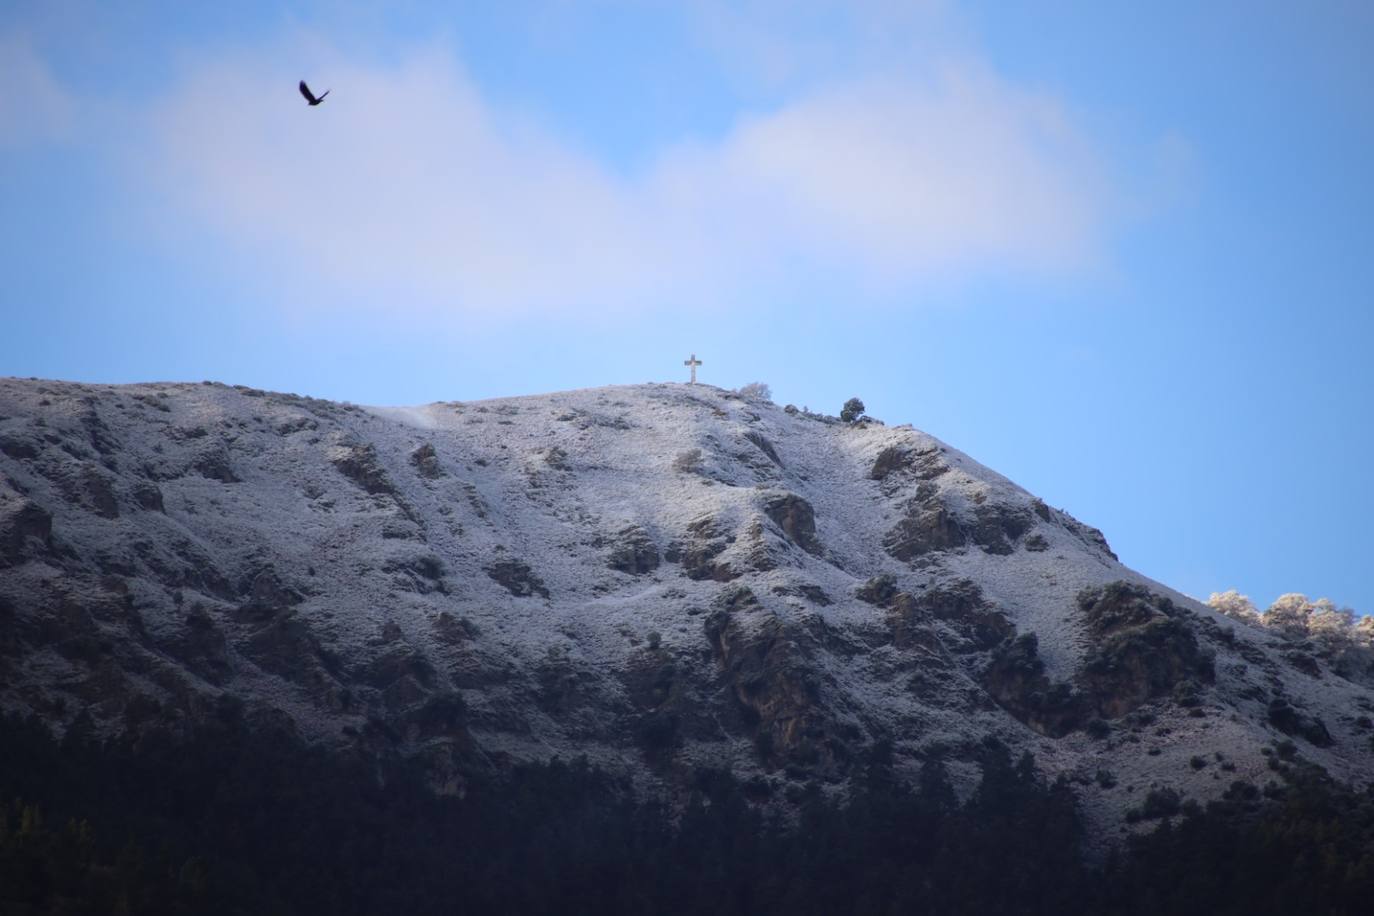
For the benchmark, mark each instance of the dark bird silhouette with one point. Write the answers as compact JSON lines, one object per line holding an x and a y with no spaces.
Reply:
{"x":310,"y":96}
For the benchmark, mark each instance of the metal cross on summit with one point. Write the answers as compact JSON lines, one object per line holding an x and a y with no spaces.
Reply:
{"x":693,"y":362}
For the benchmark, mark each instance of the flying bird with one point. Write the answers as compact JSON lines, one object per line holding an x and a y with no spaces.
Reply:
{"x":310,"y":96}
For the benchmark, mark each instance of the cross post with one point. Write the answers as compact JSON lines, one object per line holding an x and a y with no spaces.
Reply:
{"x":693,"y":363}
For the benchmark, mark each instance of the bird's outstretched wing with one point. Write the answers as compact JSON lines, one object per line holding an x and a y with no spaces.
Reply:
{"x":309,"y":96}
{"x":322,"y":95}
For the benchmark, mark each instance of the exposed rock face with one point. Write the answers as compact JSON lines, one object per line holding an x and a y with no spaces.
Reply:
{"x":1291,"y":721}
{"x":928,"y":527}
{"x":147,"y":495}
{"x":20,"y":447}
{"x":770,"y":677}
{"x":968,"y":623}
{"x":359,"y":463}
{"x":1016,"y":679}
{"x":812,"y":594}
{"x":655,"y":686}
{"x":25,"y":527}
{"x":518,"y":579}
{"x":268,"y":597}
{"x":961,"y":606}
{"x":634,"y":552}
{"x":204,"y":647}
{"x":287,"y":647}
{"x":918,"y":463}
{"x":931,"y":524}
{"x":468,"y":585}
{"x":797,"y":520}
{"x":761,"y":441}
{"x":708,"y":540}
{"x":996,"y":527}
{"x":214,"y":464}
{"x":1089,"y":535}
{"x":419,"y":571}
{"x":90,"y":486}
{"x":1143,"y":648}
{"x":425,"y":460}
{"x":879,"y":591}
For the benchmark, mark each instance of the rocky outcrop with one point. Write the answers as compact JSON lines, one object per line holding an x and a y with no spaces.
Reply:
{"x":19,"y":446}
{"x":360,"y":464}
{"x":878,"y":591}
{"x":403,"y":674}
{"x":1016,"y":680}
{"x":812,"y":593}
{"x":439,"y":715}
{"x":286,"y":646}
{"x":926,"y":527}
{"x":961,"y":607}
{"x":517,"y":578}
{"x":917,"y":463}
{"x":668,"y":708}
{"x":768,"y":675}
{"x":797,"y":520}
{"x":147,"y":495}
{"x":761,"y":442}
{"x":420,"y":572}
{"x":699,"y":555}
{"x":213,"y":464}
{"x":757,"y":553}
{"x":997,"y":526}
{"x":203,"y":646}
{"x":82,"y":484}
{"x":454,"y":631}
{"x":1143,"y":648}
{"x":1089,"y":535}
{"x":425,"y":460}
{"x":25,"y":527}
{"x":1290,"y":720}
{"x":908,"y":624}
{"x":634,"y":552}
{"x":926,"y":632}
{"x":929,"y":525}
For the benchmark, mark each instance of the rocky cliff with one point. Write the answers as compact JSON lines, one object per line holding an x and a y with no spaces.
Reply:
{"x":664,"y":578}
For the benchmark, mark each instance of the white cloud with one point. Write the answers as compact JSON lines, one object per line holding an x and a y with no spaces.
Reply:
{"x":908,"y":177}
{"x":409,"y":189}
{"x":34,"y":108}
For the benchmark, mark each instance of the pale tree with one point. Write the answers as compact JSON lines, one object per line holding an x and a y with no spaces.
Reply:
{"x":1288,"y":614}
{"x":1233,"y":604}
{"x":1329,"y":620}
{"x":756,"y":391}
{"x":1363,"y":631}
{"x":1296,"y":617}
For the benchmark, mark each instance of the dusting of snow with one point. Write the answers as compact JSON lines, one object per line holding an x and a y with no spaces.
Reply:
{"x":252,"y":481}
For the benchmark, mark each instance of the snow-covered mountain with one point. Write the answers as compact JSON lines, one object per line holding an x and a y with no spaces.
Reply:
{"x":661,"y":577}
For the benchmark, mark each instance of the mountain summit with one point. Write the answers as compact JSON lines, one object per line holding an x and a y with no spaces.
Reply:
{"x":664,"y":578}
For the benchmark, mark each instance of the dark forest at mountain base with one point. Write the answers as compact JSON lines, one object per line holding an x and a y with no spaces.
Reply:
{"x":233,"y":819}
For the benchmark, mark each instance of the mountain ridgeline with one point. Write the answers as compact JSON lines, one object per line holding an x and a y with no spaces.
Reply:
{"x":643,"y":648}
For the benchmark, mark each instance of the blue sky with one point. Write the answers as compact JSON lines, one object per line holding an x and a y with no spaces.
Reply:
{"x":1119,"y":252}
